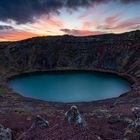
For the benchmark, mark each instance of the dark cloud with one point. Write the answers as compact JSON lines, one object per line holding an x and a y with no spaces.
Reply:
{"x":5,"y":27}
{"x":81,"y":32}
{"x":23,"y":11}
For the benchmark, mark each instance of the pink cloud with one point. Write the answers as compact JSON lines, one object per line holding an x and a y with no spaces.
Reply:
{"x":112,"y":19}
{"x":126,"y":24}
{"x":114,"y":23}
{"x":87,"y":24}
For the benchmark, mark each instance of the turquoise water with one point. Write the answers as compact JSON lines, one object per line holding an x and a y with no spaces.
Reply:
{"x":70,"y":86}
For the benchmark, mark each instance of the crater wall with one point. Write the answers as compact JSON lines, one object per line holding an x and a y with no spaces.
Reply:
{"x":118,"y":53}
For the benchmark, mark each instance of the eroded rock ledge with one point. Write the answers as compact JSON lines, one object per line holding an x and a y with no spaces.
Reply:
{"x":119,"y":54}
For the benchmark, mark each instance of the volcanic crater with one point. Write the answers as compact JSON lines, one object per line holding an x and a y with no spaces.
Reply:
{"x":110,"y":53}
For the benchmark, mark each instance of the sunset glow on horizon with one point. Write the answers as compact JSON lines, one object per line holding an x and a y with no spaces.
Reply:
{"x":25,"y":19}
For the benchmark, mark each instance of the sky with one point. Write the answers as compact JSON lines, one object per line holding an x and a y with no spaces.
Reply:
{"x":21,"y":19}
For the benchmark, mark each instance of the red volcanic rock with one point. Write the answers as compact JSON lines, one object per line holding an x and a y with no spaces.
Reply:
{"x":102,"y":123}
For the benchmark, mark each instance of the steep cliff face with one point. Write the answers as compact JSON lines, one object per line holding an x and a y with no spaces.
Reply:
{"x":119,"y":53}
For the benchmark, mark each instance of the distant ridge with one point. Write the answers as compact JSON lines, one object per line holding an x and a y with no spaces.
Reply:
{"x":67,"y":35}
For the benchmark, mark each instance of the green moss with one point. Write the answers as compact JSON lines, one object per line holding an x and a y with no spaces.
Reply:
{"x":7,"y":69}
{"x":19,"y":110}
{"x":2,"y":90}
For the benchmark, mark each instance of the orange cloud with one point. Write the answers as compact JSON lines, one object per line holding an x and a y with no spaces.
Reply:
{"x":52,"y":22}
{"x":16,"y":35}
{"x":46,"y":25}
{"x":81,"y":32}
{"x":55,"y":22}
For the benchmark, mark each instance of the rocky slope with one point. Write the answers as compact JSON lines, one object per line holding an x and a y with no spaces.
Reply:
{"x":114,"y":53}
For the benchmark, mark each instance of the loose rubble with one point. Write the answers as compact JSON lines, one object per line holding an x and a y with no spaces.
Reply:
{"x":133,"y":124}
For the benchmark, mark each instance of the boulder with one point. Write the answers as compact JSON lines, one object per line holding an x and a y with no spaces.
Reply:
{"x":5,"y":133}
{"x":136,"y":112}
{"x":39,"y":121}
{"x":73,"y":116}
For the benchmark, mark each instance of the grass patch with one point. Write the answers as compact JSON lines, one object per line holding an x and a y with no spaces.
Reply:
{"x":19,"y":110}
